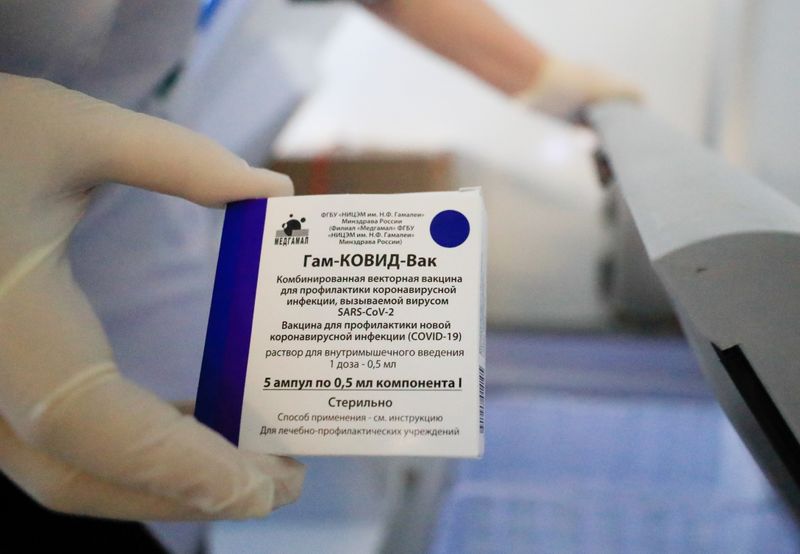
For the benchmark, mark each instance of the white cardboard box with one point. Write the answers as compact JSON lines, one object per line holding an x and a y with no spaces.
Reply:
{"x":349,"y":325}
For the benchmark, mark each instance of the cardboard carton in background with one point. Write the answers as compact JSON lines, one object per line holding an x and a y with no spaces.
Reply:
{"x":370,"y":173}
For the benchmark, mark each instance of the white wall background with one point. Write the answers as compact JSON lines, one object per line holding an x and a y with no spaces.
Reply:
{"x":774,"y":95}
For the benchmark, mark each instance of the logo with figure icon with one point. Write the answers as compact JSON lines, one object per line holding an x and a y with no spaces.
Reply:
{"x":292,"y":232}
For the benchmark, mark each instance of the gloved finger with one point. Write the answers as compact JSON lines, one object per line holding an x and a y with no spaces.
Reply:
{"x":60,"y":487}
{"x":562,"y":89}
{"x":66,"y":398}
{"x":154,"y":448}
{"x":101,"y":142}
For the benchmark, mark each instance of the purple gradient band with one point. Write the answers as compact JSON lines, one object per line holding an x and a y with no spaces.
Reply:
{"x":222,"y":377}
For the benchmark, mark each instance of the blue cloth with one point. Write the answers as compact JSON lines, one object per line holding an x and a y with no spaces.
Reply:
{"x":594,"y":474}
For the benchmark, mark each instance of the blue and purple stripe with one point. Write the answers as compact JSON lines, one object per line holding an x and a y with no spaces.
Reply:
{"x":222,"y":377}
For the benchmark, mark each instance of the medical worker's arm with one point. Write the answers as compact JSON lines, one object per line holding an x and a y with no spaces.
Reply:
{"x":473,"y":35}
{"x":74,"y":433}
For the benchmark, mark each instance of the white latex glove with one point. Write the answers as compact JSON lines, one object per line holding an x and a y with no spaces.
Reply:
{"x":562,"y":89}
{"x":74,"y":433}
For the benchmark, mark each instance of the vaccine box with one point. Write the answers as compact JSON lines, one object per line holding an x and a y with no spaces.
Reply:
{"x":349,"y":325}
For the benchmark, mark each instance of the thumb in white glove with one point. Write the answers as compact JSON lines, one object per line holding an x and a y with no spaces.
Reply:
{"x":562,"y":89}
{"x":74,"y":433}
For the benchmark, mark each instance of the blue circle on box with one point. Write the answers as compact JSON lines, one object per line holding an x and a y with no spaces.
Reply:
{"x":449,"y":228}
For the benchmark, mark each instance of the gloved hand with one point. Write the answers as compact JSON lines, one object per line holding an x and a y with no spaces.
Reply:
{"x":562,"y":89}
{"x":74,"y":433}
